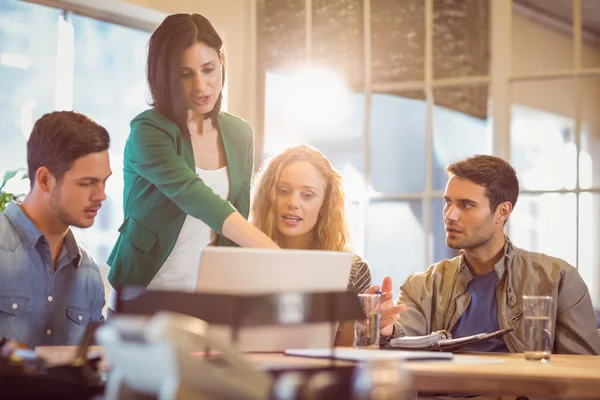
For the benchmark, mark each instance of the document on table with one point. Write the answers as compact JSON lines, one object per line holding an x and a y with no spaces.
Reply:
{"x":352,"y":354}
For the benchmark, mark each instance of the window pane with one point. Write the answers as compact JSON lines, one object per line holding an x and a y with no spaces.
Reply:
{"x":543,"y":35}
{"x":315,"y":107}
{"x":460,"y":38}
{"x":590,"y":51}
{"x":461,"y":127}
{"x":284,"y":33}
{"x":438,"y":249}
{"x":355,"y":212}
{"x":337,"y":38}
{"x":110,"y":87}
{"x":589,"y":156}
{"x":27,"y":75}
{"x":397,"y":40}
{"x":537,"y":46}
{"x":395,"y":240}
{"x":542,"y":136}
{"x":546,"y":223}
{"x":397,"y":152}
{"x":589,"y":237}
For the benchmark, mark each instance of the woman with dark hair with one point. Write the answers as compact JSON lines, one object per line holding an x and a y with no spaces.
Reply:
{"x":187,"y":165}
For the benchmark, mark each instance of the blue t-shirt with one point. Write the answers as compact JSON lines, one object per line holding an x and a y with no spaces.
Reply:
{"x":481,"y":316}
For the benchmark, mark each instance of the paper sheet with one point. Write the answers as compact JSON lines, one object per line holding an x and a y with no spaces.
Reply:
{"x":352,"y":354}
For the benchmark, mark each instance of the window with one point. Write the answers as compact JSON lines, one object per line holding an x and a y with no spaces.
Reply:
{"x":71,"y":62}
{"x":413,"y":101}
{"x":109,"y":85}
{"x":555,"y":134}
{"x":27,"y":75}
{"x":373,"y":114}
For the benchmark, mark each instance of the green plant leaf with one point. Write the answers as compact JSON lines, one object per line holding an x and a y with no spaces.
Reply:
{"x":8,"y":175}
{"x":6,"y":198}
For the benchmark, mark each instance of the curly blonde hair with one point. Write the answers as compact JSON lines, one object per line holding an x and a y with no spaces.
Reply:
{"x":331,"y":228}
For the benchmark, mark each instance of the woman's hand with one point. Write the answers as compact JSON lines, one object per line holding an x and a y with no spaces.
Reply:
{"x":237,"y":229}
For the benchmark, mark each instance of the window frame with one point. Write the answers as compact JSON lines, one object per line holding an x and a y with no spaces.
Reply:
{"x":500,"y":80}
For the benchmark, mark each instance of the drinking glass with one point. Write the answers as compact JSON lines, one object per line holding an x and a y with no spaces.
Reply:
{"x":366,"y":331}
{"x":537,"y":315}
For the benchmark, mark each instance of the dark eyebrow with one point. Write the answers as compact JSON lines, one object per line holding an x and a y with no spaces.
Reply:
{"x":469,"y":201}
{"x":93,"y":178}
{"x":203,"y":65}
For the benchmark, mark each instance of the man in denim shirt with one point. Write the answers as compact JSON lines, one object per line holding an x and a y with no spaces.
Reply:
{"x":50,"y":288}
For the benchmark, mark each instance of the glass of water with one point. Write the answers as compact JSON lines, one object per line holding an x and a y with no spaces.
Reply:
{"x":366,"y":331}
{"x":537,"y":313}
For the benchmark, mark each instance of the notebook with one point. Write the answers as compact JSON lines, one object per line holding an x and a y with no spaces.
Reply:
{"x":441,"y":341}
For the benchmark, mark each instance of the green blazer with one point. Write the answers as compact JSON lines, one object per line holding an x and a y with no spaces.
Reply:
{"x":161,"y":188}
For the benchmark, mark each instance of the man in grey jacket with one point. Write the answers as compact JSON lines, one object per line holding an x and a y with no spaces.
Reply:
{"x":481,"y":290}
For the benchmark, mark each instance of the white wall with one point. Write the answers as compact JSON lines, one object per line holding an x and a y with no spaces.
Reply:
{"x":540,"y":49}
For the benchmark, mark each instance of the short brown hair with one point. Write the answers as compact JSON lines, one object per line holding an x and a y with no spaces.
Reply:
{"x":59,"y":138}
{"x":493,"y":173}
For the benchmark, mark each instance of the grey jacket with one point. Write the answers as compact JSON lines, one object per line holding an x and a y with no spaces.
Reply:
{"x":438,"y":297}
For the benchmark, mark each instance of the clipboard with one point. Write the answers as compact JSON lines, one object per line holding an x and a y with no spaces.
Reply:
{"x":445,"y":345}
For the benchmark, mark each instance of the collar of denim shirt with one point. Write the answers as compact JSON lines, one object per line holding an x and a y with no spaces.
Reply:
{"x":31,"y":235}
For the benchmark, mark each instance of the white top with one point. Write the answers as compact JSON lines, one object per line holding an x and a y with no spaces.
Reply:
{"x":180,"y":269}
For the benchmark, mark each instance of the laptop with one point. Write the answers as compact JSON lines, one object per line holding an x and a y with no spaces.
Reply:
{"x":233,"y":270}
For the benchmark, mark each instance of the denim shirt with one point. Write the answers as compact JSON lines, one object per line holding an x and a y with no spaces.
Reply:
{"x":41,"y":306}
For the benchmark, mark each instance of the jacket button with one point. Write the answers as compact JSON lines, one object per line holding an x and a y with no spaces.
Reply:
{"x":80,"y":317}
{"x":15,"y":306}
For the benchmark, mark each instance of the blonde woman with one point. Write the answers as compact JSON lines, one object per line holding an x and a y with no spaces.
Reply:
{"x":298,"y":202}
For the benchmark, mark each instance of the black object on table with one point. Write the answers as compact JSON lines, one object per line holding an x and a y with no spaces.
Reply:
{"x":79,"y":379}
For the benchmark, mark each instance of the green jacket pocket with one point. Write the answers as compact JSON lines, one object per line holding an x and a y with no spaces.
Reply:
{"x":139,"y":236}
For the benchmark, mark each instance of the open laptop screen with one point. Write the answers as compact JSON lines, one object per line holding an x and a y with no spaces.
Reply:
{"x":258,"y":271}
